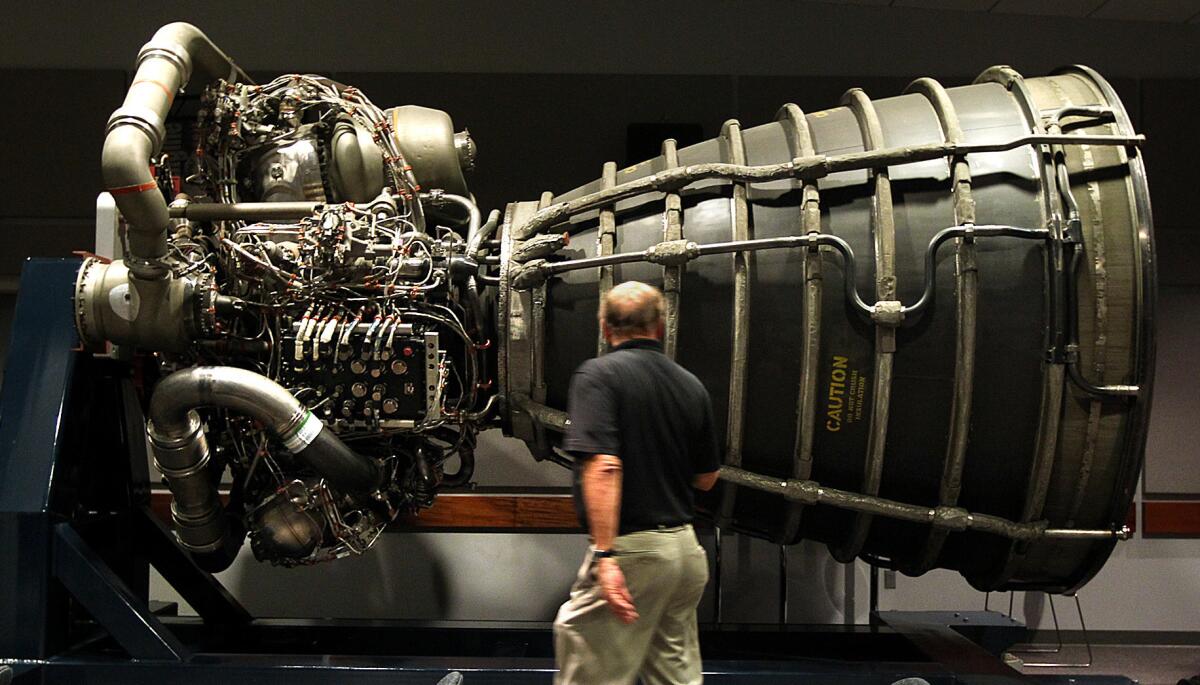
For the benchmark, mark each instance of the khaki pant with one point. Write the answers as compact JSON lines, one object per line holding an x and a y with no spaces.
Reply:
{"x":666,"y":571}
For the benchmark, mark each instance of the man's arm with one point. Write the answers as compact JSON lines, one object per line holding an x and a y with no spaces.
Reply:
{"x":602,"y":477}
{"x":706,"y":459}
{"x":602,"y":474}
{"x":705,"y":481}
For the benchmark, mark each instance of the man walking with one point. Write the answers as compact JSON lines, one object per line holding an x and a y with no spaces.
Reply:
{"x":642,"y":433}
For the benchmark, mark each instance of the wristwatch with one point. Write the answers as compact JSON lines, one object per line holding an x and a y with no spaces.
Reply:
{"x":603,"y":553}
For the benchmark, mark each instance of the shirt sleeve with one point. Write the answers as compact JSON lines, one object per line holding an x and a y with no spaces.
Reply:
{"x":706,"y":455}
{"x":592,"y":409}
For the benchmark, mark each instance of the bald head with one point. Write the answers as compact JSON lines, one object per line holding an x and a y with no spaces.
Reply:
{"x":632,"y":310}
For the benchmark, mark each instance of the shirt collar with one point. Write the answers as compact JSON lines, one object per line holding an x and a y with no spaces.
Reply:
{"x":640,"y":343}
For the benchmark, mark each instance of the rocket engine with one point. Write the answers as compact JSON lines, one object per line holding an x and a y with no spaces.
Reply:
{"x":926,"y":321}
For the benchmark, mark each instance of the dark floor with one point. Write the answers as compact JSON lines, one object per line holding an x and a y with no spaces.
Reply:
{"x":1147,"y":664}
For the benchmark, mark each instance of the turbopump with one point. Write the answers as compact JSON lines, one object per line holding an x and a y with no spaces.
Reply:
{"x":895,"y":304}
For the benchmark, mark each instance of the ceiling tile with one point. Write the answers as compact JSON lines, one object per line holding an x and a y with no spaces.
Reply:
{"x":1058,"y":8}
{"x":963,"y":5}
{"x":877,"y":3}
{"x":1175,"y":11}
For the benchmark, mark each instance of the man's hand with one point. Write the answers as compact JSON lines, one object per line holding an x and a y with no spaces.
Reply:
{"x":705,"y":481}
{"x":612,"y":585}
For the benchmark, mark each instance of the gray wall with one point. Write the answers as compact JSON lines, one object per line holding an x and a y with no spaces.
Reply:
{"x":524,"y":577}
{"x":548,"y":89}
{"x":749,"y":37}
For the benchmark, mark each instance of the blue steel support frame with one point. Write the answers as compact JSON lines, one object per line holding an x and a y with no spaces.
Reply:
{"x":33,"y":400}
{"x":38,"y":544}
{"x":123,"y":614}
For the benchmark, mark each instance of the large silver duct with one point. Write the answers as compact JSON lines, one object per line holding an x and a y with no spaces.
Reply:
{"x":181,"y":451}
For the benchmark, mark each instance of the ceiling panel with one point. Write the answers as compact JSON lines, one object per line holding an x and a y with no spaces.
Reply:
{"x":1058,"y":8}
{"x":962,"y":5}
{"x":1176,"y":11}
{"x":1170,"y":11}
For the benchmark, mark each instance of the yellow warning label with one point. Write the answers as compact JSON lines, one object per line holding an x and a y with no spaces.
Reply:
{"x":847,"y":390}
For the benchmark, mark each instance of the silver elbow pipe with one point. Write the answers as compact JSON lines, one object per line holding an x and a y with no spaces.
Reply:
{"x":474,"y":217}
{"x":472,"y":212}
{"x":489,"y":227}
{"x":207,"y":60}
{"x":181,"y":451}
{"x":126,"y":170}
{"x":238,"y":390}
{"x":136,"y":129}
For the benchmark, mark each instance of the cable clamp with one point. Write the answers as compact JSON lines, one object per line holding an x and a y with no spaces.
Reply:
{"x":888,"y":313}
{"x":673,"y":252}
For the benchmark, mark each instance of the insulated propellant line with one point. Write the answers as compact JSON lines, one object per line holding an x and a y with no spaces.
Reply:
{"x":536,"y":272}
{"x":733,"y":148}
{"x":800,"y":144}
{"x":538,"y":304}
{"x":803,"y":168}
{"x":607,"y":237}
{"x":1050,"y":410}
{"x":967,"y":291}
{"x":886,"y":316}
{"x":950,"y":518}
{"x":672,"y":274}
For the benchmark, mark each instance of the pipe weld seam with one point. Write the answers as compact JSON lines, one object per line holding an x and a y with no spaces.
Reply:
{"x":951,"y":518}
{"x":185,"y":472}
{"x":170,"y":51}
{"x":198,"y":521}
{"x":144,"y":119}
{"x":167,"y":440}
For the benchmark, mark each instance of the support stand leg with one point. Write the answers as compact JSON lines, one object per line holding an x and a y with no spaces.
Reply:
{"x":198,"y":587}
{"x":783,"y":585}
{"x":110,"y":602}
{"x":1087,"y":643}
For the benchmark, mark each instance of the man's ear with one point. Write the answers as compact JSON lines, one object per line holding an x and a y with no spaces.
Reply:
{"x":662,"y":329}
{"x":604,"y":332}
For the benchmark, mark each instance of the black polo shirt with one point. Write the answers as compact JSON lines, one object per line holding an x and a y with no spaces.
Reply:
{"x":654,"y":415}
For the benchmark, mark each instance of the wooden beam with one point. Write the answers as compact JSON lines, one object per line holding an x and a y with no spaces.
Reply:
{"x":491,"y":512}
{"x":465,"y":512}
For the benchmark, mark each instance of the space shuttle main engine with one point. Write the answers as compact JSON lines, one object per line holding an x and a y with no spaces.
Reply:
{"x":926,"y":321}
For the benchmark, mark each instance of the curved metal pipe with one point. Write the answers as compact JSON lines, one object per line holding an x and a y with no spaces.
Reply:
{"x":181,"y":451}
{"x":264,"y":400}
{"x":473,"y":214}
{"x":465,"y":470}
{"x":246,"y":211}
{"x":475,"y":241}
{"x":135,"y":133}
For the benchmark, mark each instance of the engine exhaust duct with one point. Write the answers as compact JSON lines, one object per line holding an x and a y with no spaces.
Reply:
{"x":181,"y":450}
{"x":926,"y":321}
